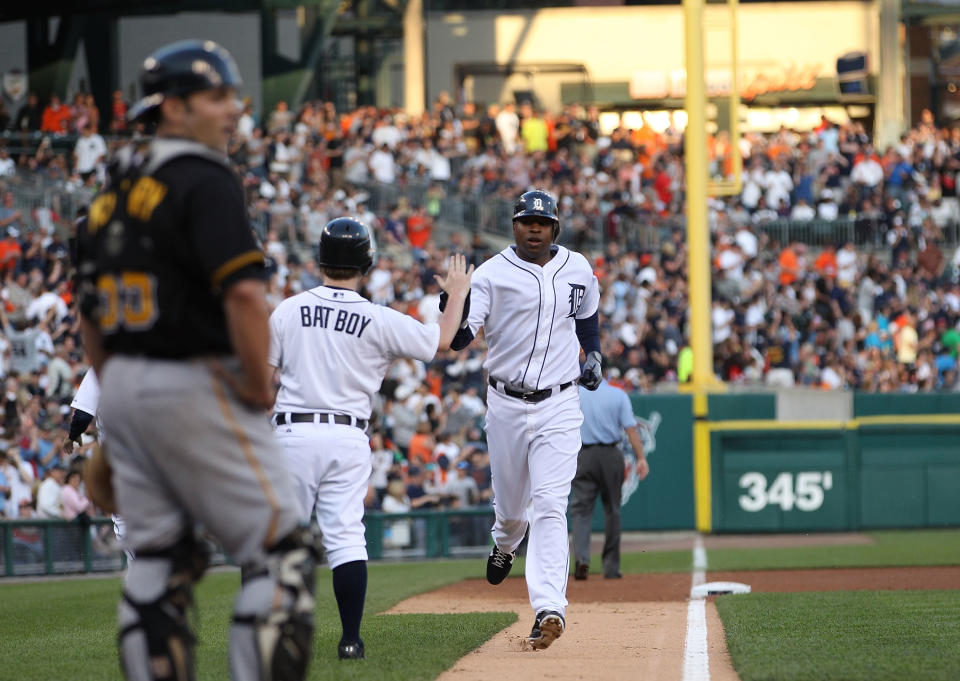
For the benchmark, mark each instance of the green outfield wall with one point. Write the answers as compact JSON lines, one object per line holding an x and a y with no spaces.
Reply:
{"x":874,"y":472}
{"x":895,"y":463}
{"x":879,"y":404}
{"x":664,"y":501}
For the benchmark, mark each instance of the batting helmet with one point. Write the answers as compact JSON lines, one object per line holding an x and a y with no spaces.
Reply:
{"x":345,"y":242}
{"x":540,"y":204}
{"x":181,"y":68}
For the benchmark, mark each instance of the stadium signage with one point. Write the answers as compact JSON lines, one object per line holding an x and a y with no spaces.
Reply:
{"x":805,"y":492}
{"x":754,"y":82}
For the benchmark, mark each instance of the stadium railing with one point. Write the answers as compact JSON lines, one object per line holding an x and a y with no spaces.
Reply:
{"x":49,"y":547}
{"x":477,"y":214}
{"x":34,"y":547}
{"x":440,"y":533}
{"x":28,"y":142}
{"x":493,"y":215}
{"x":62,"y":201}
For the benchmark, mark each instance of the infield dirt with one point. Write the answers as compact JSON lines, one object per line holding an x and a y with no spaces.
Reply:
{"x":616,"y":630}
{"x":633,"y":627}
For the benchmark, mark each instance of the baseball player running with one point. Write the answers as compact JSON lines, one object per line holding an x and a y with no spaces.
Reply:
{"x":535,"y":300}
{"x":332,"y":348}
{"x":175,"y":321}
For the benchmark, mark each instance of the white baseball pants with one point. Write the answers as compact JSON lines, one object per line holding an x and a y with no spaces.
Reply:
{"x":533,"y":457}
{"x":329,"y":466}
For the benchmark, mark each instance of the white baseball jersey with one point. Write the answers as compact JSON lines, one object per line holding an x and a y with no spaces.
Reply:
{"x":528,"y":315}
{"x":333,"y":327}
{"x":88,"y":399}
{"x":88,"y":394}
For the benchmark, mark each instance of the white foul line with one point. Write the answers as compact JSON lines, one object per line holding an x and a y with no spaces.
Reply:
{"x":696,"y":661}
{"x":699,"y":563}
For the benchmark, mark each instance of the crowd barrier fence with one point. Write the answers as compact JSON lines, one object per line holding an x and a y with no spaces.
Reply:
{"x":35,"y":547}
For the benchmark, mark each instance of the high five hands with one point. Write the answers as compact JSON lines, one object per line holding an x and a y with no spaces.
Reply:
{"x":458,"y":276}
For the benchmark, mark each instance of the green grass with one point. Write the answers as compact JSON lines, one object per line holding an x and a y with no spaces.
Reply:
{"x":844,"y":635}
{"x":66,"y":631}
{"x":893,"y":548}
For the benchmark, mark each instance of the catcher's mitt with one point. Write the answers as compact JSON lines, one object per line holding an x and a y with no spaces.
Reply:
{"x":98,"y":477}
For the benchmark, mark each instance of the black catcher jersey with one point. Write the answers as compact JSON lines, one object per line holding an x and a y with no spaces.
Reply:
{"x":162,"y":241}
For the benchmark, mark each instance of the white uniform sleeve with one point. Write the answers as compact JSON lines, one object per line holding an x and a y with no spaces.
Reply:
{"x":275,"y":354}
{"x":591,"y":299}
{"x":479,"y":303}
{"x":404,"y":336}
{"x":88,"y":394}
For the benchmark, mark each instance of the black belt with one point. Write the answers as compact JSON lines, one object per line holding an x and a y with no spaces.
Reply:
{"x":601,"y":444}
{"x":532,"y":396}
{"x":284,"y":417}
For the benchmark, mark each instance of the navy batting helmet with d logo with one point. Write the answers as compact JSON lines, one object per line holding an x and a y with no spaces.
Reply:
{"x":537,"y":203}
{"x":345,"y":242}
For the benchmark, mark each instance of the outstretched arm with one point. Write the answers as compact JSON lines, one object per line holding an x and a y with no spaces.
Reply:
{"x":456,"y":285}
{"x":463,"y":338}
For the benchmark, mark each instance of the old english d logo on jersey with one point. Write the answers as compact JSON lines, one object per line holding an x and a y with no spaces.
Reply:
{"x":576,"y":298}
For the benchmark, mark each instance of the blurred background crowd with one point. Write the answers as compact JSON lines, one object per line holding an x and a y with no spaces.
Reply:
{"x":834,"y":268}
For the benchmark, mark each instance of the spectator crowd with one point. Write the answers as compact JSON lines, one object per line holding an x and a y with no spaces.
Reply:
{"x":875,"y":310}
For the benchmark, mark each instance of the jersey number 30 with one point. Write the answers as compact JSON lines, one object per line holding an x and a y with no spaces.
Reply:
{"x":127,"y":301}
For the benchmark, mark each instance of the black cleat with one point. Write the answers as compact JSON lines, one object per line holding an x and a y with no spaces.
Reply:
{"x":351,"y":651}
{"x":581,"y":572}
{"x":547,"y":628}
{"x":498,"y":565}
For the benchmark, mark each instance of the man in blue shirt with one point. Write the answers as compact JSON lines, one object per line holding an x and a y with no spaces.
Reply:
{"x":600,"y":470}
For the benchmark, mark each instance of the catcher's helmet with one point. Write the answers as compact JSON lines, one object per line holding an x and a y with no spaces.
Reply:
{"x":538,"y":203}
{"x":345,"y":242}
{"x":183,"y":67}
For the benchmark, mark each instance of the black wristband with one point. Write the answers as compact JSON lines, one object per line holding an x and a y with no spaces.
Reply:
{"x":79,"y":423}
{"x":588,"y":333}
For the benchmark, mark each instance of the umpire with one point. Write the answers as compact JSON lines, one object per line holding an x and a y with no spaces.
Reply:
{"x":174,"y":319}
{"x":600,"y":470}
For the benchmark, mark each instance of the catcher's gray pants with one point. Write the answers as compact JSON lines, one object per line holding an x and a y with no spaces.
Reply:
{"x":184,"y":450}
{"x":599,"y":471}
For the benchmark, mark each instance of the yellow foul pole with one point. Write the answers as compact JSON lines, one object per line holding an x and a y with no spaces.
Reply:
{"x":698,"y":233}
{"x":698,"y":255}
